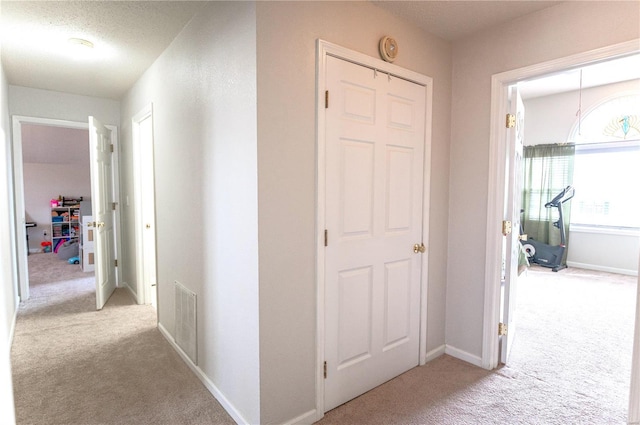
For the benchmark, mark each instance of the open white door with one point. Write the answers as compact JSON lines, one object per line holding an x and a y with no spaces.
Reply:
{"x":513,"y":204}
{"x":375,"y":142}
{"x":100,"y":148}
{"x":20,"y":214}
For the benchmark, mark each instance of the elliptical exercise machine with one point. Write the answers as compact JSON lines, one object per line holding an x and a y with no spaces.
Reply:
{"x":548,"y":255}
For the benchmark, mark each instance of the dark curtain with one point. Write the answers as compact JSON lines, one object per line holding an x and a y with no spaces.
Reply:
{"x":547,"y":170}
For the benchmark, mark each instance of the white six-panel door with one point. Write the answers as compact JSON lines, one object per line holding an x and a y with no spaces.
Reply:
{"x":515,"y":180}
{"x":375,"y":136}
{"x":101,"y":196}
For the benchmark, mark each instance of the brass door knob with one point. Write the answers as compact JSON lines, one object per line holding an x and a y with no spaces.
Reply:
{"x":419,"y":248}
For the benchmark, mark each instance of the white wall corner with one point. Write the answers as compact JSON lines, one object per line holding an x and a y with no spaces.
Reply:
{"x":463,"y":355}
{"x":435,"y":353}
{"x":209,"y":385}
{"x":131,"y":292}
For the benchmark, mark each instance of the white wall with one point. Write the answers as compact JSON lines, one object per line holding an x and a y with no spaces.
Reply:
{"x":203,"y":90}
{"x":287,"y":33}
{"x":550,"y":119}
{"x":559,"y":31}
{"x":31,"y":102}
{"x":614,"y":252}
{"x":42,"y":182}
{"x":8,"y":291}
{"x":205,"y":141}
{"x":39,"y":103}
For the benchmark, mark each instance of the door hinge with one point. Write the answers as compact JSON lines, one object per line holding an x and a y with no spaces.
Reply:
{"x":115,"y":263}
{"x":325,"y":370}
{"x":326,"y":237}
{"x":114,"y":205}
{"x":506,"y":227}
{"x":502,"y":329}
{"x":326,"y":99}
{"x":111,"y":147}
{"x":511,"y":121}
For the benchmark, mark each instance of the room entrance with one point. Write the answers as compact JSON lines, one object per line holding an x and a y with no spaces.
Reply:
{"x":499,"y":164}
{"x":110,"y":179}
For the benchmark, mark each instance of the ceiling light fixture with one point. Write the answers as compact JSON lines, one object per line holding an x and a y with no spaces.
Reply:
{"x":80,"y":42}
{"x":79,"y":49}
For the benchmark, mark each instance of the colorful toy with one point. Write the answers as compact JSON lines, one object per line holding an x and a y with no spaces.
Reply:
{"x":74,"y":260}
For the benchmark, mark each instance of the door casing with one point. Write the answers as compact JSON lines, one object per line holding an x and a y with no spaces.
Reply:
{"x":18,"y":204}
{"x":324,"y":49}
{"x":498,"y":161}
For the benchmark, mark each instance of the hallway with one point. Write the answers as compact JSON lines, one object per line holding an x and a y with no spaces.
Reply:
{"x":75,"y":365}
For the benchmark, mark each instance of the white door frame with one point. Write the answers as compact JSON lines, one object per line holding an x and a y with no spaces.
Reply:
{"x":496,"y":189}
{"x":634,"y":391}
{"x":323,"y":50}
{"x":19,"y":213}
{"x":143,"y":292}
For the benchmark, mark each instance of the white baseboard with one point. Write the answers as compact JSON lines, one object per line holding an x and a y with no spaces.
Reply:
{"x":436,"y":352}
{"x":224,"y":402}
{"x":12,"y":329}
{"x":602,"y":268}
{"x":133,"y":294}
{"x":463,"y":355}
{"x":306,"y":418}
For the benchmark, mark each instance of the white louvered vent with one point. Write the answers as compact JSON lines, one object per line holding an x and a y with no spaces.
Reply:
{"x":186,"y":321}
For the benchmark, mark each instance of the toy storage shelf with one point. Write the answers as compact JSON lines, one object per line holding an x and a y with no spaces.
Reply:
{"x":65,"y":225}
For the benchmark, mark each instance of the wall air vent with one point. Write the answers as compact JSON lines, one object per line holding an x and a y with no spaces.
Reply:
{"x":185,"y":320}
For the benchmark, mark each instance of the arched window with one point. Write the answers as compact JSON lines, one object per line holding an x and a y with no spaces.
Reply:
{"x":607,"y":164}
{"x":614,"y":120}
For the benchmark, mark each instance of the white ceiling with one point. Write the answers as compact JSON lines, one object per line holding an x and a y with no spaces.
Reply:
{"x":613,"y":71}
{"x":128,"y":36}
{"x":454,"y":19}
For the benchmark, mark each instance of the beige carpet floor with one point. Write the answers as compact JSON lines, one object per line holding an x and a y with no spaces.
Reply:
{"x":570,"y":364}
{"x":75,"y":365}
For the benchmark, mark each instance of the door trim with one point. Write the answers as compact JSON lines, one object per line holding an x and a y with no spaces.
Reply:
{"x":324,"y":49}
{"x":497,"y":165}
{"x":18,"y":189}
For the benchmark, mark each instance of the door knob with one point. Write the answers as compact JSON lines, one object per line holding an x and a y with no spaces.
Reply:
{"x":419,"y":247}
{"x":148,"y":226}
{"x":99,"y":223}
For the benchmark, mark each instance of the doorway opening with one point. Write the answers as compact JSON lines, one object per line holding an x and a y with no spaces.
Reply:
{"x":24,"y":128}
{"x":57,"y":199}
{"x":500,"y":159}
{"x":564,"y":318}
